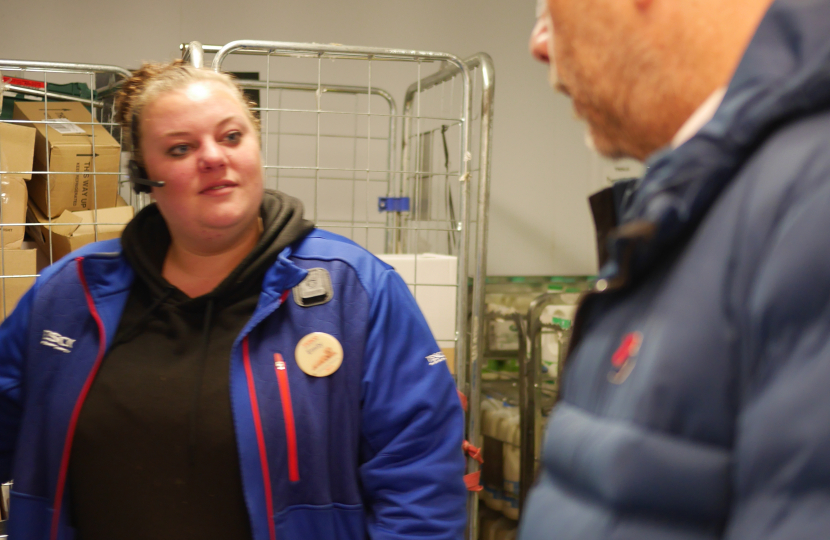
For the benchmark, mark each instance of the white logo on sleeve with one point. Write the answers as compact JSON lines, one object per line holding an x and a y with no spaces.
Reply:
{"x":436,"y":358}
{"x":56,"y":341}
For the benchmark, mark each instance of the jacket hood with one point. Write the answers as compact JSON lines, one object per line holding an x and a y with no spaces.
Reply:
{"x":146,"y":239}
{"x":783,"y":76}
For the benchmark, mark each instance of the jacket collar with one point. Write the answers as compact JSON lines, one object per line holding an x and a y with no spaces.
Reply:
{"x":282,"y":276}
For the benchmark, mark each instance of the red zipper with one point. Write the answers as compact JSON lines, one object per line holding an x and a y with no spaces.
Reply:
{"x":288,"y":415}
{"x":73,"y":421}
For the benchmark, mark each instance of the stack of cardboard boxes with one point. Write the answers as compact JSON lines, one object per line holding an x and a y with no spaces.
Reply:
{"x":59,"y":174}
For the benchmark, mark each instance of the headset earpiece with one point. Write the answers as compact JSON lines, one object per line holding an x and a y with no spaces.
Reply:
{"x":138,"y":176}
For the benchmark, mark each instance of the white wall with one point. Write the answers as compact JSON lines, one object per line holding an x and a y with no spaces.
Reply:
{"x":541,"y":170}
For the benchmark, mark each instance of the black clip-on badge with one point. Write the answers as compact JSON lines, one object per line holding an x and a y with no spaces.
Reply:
{"x":315,"y":289}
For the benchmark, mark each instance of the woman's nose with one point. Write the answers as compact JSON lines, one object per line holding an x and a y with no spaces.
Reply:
{"x":211,"y":156}
{"x":539,"y":38}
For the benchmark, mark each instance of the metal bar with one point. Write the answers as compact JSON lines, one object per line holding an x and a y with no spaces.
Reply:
{"x":194,"y":54}
{"x":353,"y":179}
{"x":92,"y":162}
{"x":326,"y":135}
{"x":416,"y":185}
{"x":528,"y":400}
{"x":324,"y":88}
{"x":341,"y":169}
{"x":54,"y":95}
{"x":381,"y":226}
{"x":267,"y":122}
{"x":328,"y":50}
{"x":530,"y":373}
{"x":319,"y":97}
{"x":452,"y":121}
{"x":462,"y":346}
{"x":62,"y":67}
{"x":368,"y":157}
{"x":300,"y":50}
{"x":439,"y":77}
{"x":406,"y":137}
{"x":73,"y":173}
{"x":213,"y":49}
{"x":279,"y":138}
{"x":488,"y":75}
{"x":391,"y":147}
{"x":49,"y":178}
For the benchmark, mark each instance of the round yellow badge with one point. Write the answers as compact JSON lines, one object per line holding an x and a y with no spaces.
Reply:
{"x":319,"y":354}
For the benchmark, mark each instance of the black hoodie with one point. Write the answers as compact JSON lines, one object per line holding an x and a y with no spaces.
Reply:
{"x":154,"y":454}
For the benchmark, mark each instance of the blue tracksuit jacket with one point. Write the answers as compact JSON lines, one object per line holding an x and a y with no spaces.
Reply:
{"x":373,"y":450}
{"x":696,"y":401}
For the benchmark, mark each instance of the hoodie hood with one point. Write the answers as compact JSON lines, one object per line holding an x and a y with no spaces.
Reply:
{"x":146,"y":240}
{"x":766,"y":92}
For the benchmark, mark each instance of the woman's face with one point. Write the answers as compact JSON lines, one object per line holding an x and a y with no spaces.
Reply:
{"x":201,"y":143}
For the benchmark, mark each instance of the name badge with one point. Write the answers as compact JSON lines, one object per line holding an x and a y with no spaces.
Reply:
{"x":319,"y":354}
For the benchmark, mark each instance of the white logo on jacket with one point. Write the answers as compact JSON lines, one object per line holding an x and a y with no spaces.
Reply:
{"x":56,"y":341}
{"x":436,"y":358}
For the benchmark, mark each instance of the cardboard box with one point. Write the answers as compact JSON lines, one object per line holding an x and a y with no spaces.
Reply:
{"x":17,"y":149}
{"x":432,"y":279}
{"x":71,"y":230}
{"x":12,"y":210}
{"x":18,"y":269}
{"x":66,"y":141}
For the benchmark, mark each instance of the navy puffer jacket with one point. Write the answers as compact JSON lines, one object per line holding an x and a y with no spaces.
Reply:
{"x":696,"y":401}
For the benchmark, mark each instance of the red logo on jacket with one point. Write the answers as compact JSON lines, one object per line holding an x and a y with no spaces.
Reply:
{"x":624,"y":358}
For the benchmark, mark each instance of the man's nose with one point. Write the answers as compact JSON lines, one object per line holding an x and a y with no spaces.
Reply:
{"x":539,"y":38}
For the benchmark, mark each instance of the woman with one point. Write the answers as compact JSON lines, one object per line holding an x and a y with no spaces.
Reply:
{"x":224,"y":370}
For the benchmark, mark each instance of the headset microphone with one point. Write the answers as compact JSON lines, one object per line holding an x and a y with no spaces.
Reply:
{"x":139,"y":176}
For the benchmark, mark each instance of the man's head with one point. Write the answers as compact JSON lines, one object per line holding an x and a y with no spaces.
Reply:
{"x":637,"y":69}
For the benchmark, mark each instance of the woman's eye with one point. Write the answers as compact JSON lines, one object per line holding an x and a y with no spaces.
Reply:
{"x":178,"y":150}
{"x":234,"y":137}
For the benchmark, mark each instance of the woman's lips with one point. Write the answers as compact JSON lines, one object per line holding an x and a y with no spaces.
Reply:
{"x":218,"y":188}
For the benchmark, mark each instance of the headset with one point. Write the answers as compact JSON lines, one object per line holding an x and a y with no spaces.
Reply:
{"x":138,"y":174}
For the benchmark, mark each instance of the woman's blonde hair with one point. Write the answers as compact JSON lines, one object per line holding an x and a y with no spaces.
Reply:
{"x":155,"y":79}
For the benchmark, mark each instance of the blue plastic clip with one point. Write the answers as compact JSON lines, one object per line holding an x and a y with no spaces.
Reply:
{"x":393,"y":204}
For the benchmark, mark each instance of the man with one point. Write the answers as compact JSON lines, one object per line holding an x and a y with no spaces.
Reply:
{"x":696,"y":400}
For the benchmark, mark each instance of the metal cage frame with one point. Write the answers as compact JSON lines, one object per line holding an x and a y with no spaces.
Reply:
{"x":470,"y":323}
{"x":470,"y":305}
